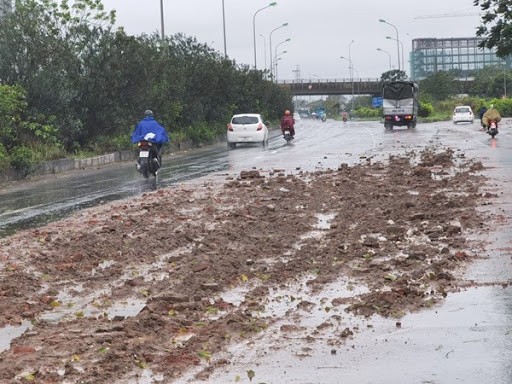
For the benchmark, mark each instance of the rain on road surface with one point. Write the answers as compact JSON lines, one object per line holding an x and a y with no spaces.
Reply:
{"x":467,"y":340}
{"x":25,"y":205}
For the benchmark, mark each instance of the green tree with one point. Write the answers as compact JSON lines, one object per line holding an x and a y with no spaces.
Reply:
{"x":393,"y":75}
{"x":45,"y":46}
{"x":490,"y":82}
{"x":87,"y":85}
{"x":495,"y":27}
{"x":439,"y":86}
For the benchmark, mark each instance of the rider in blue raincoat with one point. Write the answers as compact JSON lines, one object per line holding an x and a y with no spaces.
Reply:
{"x":149,"y":129}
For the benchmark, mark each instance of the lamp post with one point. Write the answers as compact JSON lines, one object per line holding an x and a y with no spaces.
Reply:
{"x":224,"y":29}
{"x":270,"y":43}
{"x":397,"y":40}
{"x":276,"y":59}
{"x":389,"y":54}
{"x":402,"y":45}
{"x":344,"y":58}
{"x":351,"y":72}
{"x":254,"y":27}
{"x":162,"y":18}
{"x":282,"y":42}
{"x":264,"y":49}
{"x":359,"y":82}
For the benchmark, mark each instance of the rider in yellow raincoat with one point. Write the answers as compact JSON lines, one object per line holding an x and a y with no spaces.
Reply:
{"x":490,"y":114}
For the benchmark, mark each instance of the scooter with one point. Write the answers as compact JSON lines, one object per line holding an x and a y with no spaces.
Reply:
{"x":493,"y":128}
{"x":147,"y":161}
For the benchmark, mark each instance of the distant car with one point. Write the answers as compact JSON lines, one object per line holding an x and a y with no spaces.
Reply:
{"x":247,"y":128}
{"x":463,"y":114}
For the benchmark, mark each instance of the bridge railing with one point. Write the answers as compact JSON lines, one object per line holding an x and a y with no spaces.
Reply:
{"x":323,"y":81}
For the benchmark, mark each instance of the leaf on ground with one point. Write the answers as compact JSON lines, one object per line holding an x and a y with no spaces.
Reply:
{"x":55,"y":303}
{"x":250,"y":374}
{"x":103,"y":349}
{"x":390,"y":277}
{"x":244,"y":278}
{"x":29,"y":377}
{"x":204,"y":355}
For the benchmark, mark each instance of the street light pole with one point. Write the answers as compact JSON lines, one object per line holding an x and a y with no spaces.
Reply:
{"x":351,"y":72}
{"x":224,"y":30}
{"x":397,"y":40}
{"x":282,"y":42}
{"x":402,"y":45}
{"x":270,"y":43}
{"x":344,"y":58}
{"x":162,"y":18}
{"x":389,"y":56}
{"x":264,"y":49}
{"x":254,"y":28}
{"x":359,"y":82}
{"x":277,"y":58}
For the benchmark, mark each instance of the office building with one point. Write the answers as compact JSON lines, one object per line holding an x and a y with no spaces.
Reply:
{"x":431,"y":55}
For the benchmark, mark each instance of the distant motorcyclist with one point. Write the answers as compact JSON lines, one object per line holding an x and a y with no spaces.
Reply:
{"x":481,"y":112}
{"x":288,"y":123}
{"x":490,"y":115}
{"x":149,"y":129}
{"x":344,"y":116}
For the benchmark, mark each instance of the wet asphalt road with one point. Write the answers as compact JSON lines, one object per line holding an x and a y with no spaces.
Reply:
{"x":317,"y":144}
{"x":466,"y":340}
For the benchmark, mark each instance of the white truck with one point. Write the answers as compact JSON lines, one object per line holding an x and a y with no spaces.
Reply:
{"x":400,"y":104}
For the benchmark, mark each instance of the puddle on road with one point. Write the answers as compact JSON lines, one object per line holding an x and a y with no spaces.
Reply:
{"x":7,"y":334}
{"x":429,"y":346}
{"x":287,"y":302}
{"x":324,"y":220}
{"x":323,"y":224}
{"x":94,"y":304}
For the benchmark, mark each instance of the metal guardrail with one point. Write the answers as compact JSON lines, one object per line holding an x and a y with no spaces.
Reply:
{"x":319,"y":80}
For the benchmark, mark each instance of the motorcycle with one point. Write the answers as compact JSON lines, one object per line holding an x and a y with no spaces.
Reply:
{"x":493,"y":128}
{"x":287,"y":135}
{"x":147,"y":161}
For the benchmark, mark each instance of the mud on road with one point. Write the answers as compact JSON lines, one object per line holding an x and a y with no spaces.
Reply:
{"x":134,"y":288}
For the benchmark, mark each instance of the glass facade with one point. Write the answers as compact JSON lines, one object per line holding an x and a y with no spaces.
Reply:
{"x":432,"y":55}
{"x":5,"y":7}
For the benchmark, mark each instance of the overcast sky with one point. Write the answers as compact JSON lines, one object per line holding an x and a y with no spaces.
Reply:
{"x":320,"y":30}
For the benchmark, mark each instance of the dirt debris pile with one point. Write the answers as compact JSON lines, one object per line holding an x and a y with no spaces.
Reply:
{"x":400,"y":228}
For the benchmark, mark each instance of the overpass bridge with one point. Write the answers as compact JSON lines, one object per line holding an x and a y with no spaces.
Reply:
{"x":356,"y":86}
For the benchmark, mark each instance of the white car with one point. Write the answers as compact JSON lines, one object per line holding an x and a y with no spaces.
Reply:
{"x":247,"y":128}
{"x":463,"y":114}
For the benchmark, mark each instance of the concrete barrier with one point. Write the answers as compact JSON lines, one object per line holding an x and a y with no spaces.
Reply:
{"x":69,"y":164}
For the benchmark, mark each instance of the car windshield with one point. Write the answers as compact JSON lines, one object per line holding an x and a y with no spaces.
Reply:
{"x":245,"y":120}
{"x":462,"y":110}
